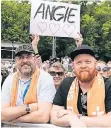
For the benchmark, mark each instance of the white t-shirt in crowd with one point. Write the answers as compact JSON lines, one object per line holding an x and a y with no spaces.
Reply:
{"x":45,"y":88}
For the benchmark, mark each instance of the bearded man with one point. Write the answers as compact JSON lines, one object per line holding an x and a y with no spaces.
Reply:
{"x":85,"y":100}
{"x":27,"y":94}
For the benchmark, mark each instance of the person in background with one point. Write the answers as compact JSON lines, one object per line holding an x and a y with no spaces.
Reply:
{"x":83,"y":101}
{"x":4,"y":74}
{"x":102,"y":68}
{"x":46,"y":65}
{"x":109,"y":69}
{"x":27,"y":94}
{"x":57,"y":71}
{"x":65,"y":62}
{"x":68,"y":74}
{"x":39,"y":61}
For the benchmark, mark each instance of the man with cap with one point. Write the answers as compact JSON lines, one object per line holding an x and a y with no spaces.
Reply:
{"x":85,"y":100}
{"x":27,"y":95}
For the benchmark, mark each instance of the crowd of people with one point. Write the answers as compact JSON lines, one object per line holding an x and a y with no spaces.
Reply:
{"x":75,"y":91}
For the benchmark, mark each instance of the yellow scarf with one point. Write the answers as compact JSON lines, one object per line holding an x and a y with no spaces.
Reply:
{"x":95,"y":97}
{"x":31,"y":96}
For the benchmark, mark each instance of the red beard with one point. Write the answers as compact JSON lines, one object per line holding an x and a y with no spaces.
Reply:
{"x":85,"y":75}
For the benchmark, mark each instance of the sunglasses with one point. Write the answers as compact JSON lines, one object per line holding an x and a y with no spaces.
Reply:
{"x":104,"y":69}
{"x":37,"y":56}
{"x":52,"y":73}
{"x":109,"y":68}
{"x":27,"y":56}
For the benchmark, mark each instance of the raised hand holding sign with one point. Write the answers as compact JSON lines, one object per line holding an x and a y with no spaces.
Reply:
{"x":35,"y":40}
{"x":78,"y":39}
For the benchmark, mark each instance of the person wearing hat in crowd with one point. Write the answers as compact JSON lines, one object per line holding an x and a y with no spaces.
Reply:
{"x":27,"y":95}
{"x":85,"y":100}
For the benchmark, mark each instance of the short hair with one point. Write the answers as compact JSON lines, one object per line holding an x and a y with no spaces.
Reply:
{"x":101,"y":61}
{"x":109,"y":62}
{"x":57,"y":65}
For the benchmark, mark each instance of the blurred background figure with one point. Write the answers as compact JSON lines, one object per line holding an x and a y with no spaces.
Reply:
{"x":4,"y":74}
{"x":65,"y":62}
{"x":68,"y":74}
{"x":102,"y":68}
{"x":109,"y":69}
{"x":39,"y":61}
{"x":57,"y":71}
{"x":53,"y":60}
{"x":45,"y":65}
{"x":7,"y":64}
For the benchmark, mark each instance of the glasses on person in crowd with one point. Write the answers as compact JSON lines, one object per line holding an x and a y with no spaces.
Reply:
{"x":37,"y":56}
{"x":52,"y":73}
{"x":109,"y":68}
{"x":104,"y":69}
{"x":25,"y":56}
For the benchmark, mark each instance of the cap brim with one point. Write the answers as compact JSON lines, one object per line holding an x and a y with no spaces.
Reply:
{"x":81,"y":51}
{"x":23,"y":52}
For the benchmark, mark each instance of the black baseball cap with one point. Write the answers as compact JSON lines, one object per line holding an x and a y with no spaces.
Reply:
{"x":26,"y":48}
{"x":83,"y":49}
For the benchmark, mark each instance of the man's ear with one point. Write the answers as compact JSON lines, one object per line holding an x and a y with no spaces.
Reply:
{"x":95,"y":61}
{"x":15,"y":60}
{"x":73,"y":63}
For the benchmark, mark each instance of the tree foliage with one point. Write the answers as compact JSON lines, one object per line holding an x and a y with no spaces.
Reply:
{"x":100,"y":27}
{"x":15,"y":21}
{"x":95,"y":27}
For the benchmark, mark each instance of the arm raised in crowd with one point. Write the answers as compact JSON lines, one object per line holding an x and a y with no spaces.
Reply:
{"x":35,"y":40}
{"x":78,"y":40}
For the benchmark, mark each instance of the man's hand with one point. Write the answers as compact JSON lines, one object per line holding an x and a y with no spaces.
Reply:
{"x":62,"y":113}
{"x":35,"y":40}
{"x":73,"y":119}
{"x":75,"y":122}
{"x":78,"y":39}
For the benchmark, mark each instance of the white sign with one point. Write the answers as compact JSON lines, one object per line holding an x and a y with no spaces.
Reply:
{"x":54,"y":19}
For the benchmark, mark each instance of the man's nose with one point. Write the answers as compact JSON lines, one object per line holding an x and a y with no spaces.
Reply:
{"x":83,"y":64}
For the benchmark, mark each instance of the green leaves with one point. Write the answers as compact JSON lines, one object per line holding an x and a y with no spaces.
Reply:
{"x":15,"y":21}
{"x":95,"y":27}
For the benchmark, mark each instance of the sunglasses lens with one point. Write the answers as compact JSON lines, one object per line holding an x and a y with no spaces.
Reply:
{"x":58,"y":73}
{"x":52,"y":73}
{"x":109,"y":68}
{"x":105,"y":69}
{"x":98,"y":68}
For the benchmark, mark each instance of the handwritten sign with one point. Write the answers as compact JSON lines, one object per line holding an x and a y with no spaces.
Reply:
{"x":54,"y":19}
